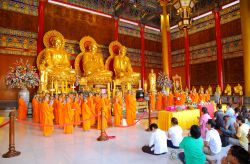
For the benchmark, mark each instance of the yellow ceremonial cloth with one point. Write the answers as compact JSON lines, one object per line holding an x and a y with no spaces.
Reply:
{"x":186,"y":118}
{"x":86,"y":115}
{"x":48,"y":119}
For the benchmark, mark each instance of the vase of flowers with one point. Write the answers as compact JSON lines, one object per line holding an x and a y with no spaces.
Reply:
{"x":164,"y":82}
{"x":22,"y":75}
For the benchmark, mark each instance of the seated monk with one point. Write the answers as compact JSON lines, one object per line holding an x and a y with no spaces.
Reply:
{"x":93,"y":63}
{"x":122,"y":66}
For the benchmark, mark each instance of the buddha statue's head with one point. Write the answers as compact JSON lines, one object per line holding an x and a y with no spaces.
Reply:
{"x":123,"y":51}
{"x":152,"y":71}
{"x":94,"y":48}
{"x":55,"y":42}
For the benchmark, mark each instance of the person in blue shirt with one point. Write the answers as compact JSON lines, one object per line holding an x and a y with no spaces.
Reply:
{"x":192,"y":146}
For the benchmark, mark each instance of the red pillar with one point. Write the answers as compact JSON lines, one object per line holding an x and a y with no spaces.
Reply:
{"x":40,"y":25}
{"x":169,"y":54}
{"x":219,"y":48}
{"x":142,"y":56}
{"x":187,"y":58}
{"x":116,"y":28}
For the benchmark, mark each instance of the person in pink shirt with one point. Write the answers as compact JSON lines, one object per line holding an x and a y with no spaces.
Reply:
{"x":203,"y":120}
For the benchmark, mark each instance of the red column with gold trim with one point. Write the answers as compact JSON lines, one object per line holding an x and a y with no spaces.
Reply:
{"x":187,"y":58}
{"x":142,"y":56}
{"x":40,"y":31}
{"x":219,"y":48}
{"x":116,"y":28}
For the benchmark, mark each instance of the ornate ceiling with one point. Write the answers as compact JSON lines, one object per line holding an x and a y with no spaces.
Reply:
{"x":145,"y":11}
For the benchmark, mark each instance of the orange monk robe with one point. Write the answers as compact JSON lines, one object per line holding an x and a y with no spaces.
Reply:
{"x":152,"y":102}
{"x":164,"y":102}
{"x":107,"y":103}
{"x":98,"y":104}
{"x":196,"y":97}
{"x":60,"y":107}
{"x":86,"y":115}
{"x":91,"y":105}
{"x":130,"y":109}
{"x":56,"y":111}
{"x":202,"y":97}
{"x":170,"y":100}
{"x":35,"y":110}
{"x":22,"y":109}
{"x":177,"y":98}
{"x":183,"y":98}
{"x":68,"y":118}
{"x":77,"y":113}
{"x":159,"y":101}
{"x":105,"y":115}
{"x":207,"y":97}
{"x":48,"y":119}
{"x":118,"y":111}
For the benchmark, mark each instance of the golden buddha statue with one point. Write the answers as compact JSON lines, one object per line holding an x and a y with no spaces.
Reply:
{"x":122,"y":66}
{"x":238,"y":89}
{"x":209,"y":90}
{"x":94,"y":71}
{"x":54,"y":65}
{"x":218,"y":89}
{"x":152,"y":81}
{"x":201,"y":90}
{"x":228,"y":90}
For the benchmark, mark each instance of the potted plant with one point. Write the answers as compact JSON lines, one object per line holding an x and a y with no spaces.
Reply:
{"x":22,"y":75}
{"x":164,"y":82}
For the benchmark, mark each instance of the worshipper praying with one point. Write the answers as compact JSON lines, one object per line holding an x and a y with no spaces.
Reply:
{"x":203,"y":120}
{"x":230,"y":111}
{"x":158,"y":141}
{"x":174,"y":134}
{"x":218,"y":116}
{"x":192,"y":146}
{"x":242,"y":130}
{"x":212,"y":142}
{"x":236,"y":155}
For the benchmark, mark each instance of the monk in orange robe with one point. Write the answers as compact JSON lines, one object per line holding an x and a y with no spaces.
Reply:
{"x":170,"y":99}
{"x":159,"y":101}
{"x":130,"y":108}
{"x":56,"y":109}
{"x":22,"y":109}
{"x":68,"y":117}
{"x":86,"y":115}
{"x":118,"y":111}
{"x":35,"y":109}
{"x":105,"y":115}
{"x":98,"y":103}
{"x":48,"y":117}
{"x":183,"y":98}
{"x":207,"y":97}
{"x":91,"y":105}
{"x":177,"y":96}
{"x":164,"y":101}
{"x":60,"y":107}
{"x":107,"y":103}
{"x":77,"y":108}
{"x":152,"y":101}
{"x":202,"y":97}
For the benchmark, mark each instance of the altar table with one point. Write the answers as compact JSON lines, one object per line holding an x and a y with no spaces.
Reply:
{"x":186,"y":118}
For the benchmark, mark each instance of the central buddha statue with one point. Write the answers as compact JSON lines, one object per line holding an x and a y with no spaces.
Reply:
{"x":122,"y":66}
{"x":53,"y":63}
{"x":93,"y":63}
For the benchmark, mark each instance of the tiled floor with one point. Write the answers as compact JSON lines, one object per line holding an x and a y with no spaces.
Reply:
{"x":80,"y":147}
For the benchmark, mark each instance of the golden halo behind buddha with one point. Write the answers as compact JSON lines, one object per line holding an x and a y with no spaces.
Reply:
{"x":49,"y":35}
{"x":86,"y":42}
{"x":114,"y":48}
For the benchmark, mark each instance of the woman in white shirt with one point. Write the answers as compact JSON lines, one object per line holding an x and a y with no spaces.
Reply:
{"x":174,"y":134}
{"x":158,"y":141}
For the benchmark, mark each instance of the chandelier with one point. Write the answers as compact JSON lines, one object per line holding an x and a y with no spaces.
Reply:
{"x":184,"y":9}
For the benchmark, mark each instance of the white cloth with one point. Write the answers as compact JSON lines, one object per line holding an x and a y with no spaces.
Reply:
{"x":159,"y":140}
{"x":175,"y":133}
{"x":214,"y":141}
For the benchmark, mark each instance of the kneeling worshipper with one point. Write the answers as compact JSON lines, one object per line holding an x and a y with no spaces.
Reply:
{"x":192,"y":146}
{"x":68,"y":117}
{"x":203,"y":120}
{"x":158,"y":142}
{"x":22,"y":109}
{"x":174,"y":134}
{"x":242,"y":130}
{"x":236,"y":155}
{"x":48,"y":116}
{"x":212,"y":143}
{"x":86,"y":115}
